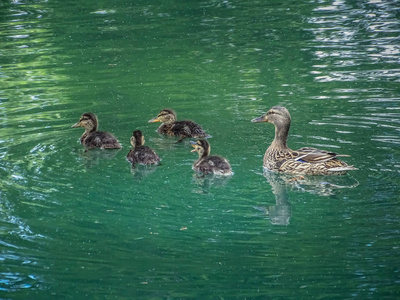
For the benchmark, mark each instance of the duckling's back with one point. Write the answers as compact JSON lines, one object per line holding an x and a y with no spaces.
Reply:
{"x":143,"y":155}
{"x":213,"y":165}
{"x":100,"y":139}
{"x":183,"y":129}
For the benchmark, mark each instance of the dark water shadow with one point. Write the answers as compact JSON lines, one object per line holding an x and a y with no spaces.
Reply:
{"x":20,"y":269}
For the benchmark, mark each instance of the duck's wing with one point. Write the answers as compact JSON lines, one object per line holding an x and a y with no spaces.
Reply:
{"x":146,"y":155}
{"x":189,"y":128}
{"x":102,"y":139}
{"x":314,"y":155}
{"x":131,"y":156}
{"x":181,"y":128}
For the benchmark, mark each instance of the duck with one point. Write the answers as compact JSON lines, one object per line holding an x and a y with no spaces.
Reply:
{"x":304,"y":161}
{"x":209,"y":164}
{"x":182,"y":129}
{"x":140,"y":154}
{"x":92,"y":138}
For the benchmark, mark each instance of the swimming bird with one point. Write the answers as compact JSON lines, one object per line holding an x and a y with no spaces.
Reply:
{"x":139,"y":153}
{"x":307,"y":161}
{"x":207,"y":164}
{"x":182,"y":129}
{"x":92,"y":138}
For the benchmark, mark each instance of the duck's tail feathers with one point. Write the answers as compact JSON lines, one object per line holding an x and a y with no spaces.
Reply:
{"x":341,"y":169}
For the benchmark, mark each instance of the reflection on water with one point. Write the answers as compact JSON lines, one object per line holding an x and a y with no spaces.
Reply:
{"x":281,"y":212}
{"x":141,"y":171}
{"x":91,"y":158}
{"x":205,"y":182}
{"x":319,"y":185}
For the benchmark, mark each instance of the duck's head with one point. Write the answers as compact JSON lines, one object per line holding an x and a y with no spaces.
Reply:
{"x":137,"y":138}
{"x":277,"y":115}
{"x":166,"y":116}
{"x":202,"y":147}
{"x":88,"y":121}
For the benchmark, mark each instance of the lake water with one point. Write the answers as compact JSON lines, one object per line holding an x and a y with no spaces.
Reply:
{"x":84,"y":225}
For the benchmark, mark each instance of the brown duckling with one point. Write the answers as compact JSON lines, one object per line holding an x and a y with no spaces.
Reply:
{"x":183,"y":129}
{"x":207,"y":164}
{"x":92,"y":138}
{"x":308,"y":161}
{"x":139,"y":153}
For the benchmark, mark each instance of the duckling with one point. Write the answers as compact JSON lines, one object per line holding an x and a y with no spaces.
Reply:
{"x":92,"y":138}
{"x":183,"y":129}
{"x":207,"y":164}
{"x":307,"y":161}
{"x":139,"y":153}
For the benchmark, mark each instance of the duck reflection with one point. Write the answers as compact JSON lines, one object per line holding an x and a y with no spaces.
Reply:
{"x":281,"y":212}
{"x":205,"y":182}
{"x":142,"y":171}
{"x":319,"y":185}
{"x":93,"y":157}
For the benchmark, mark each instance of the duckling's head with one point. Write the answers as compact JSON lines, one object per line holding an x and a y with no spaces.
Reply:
{"x":277,"y":115}
{"x":137,"y":138}
{"x":202,"y":147}
{"x":166,"y":116}
{"x":88,"y":121}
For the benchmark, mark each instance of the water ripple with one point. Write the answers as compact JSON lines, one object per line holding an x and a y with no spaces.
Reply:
{"x":337,"y":34}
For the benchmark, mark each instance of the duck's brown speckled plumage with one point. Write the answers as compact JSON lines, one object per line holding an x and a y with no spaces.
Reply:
{"x":182,"y":129}
{"x":307,"y":160}
{"x":207,"y":164}
{"x":140,"y":154}
{"x":92,"y":138}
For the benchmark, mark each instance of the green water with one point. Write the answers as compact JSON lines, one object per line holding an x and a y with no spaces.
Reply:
{"x":77,"y":224}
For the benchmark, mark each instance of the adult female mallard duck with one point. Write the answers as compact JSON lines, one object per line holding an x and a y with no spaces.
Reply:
{"x":139,"y":153}
{"x":92,"y":138}
{"x":307,"y":161}
{"x":183,"y":129}
{"x":207,"y":164}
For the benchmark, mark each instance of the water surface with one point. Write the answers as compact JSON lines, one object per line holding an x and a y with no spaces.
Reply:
{"x":78,"y":224}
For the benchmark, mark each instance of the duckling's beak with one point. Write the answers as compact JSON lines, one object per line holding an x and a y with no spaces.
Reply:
{"x":263,"y":118}
{"x":194,"y":146}
{"x":154,"y":120}
{"x":77,"y":124}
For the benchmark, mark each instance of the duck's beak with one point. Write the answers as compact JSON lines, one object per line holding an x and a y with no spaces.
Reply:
{"x":77,"y":124}
{"x":194,"y":146}
{"x":154,"y":120}
{"x":263,"y":118}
